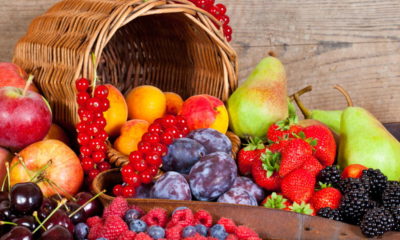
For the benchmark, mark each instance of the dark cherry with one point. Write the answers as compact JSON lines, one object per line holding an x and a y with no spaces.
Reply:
{"x":7,"y":214}
{"x":18,"y":233}
{"x":79,"y":216}
{"x":46,"y":208}
{"x":4,"y":204}
{"x":4,"y":196}
{"x":61,"y":218}
{"x":93,"y":208}
{"x":56,"y":232}
{"x":26,"y":197}
{"x":26,"y":221}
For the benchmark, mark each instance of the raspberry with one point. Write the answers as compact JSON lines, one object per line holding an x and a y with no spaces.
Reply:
{"x":156,"y":216}
{"x":231,"y":237}
{"x":196,"y":237}
{"x":128,"y":235}
{"x":183,"y":217}
{"x":143,"y":236}
{"x":244,"y":232}
{"x":118,"y":207}
{"x":95,"y":231}
{"x":113,"y":227}
{"x":203,"y":217}
{"x":228,"y":223}
{"x":174,"y":233}
{"x":253,"y":238}
{"x":92,"y":221}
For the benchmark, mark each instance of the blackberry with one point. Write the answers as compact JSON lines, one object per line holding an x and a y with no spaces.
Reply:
{"x":330,"y":175}
{"x":396,"y":215}
{"x":330,"y":213}
{"x":391,"y":195}
{"x":376,"y":222}
{"x":354,"y":205}
{"x":349,"y":184}
{"x":377,"y":181}
{"x":374,"y":204}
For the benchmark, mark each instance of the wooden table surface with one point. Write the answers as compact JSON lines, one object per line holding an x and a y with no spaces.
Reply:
{"x":354,"y":43}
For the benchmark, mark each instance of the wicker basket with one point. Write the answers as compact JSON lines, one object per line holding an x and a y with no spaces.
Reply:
{"x":170,"y":44}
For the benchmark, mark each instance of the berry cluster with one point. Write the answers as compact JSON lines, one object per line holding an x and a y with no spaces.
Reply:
{"x":219,"y":12}
{"x":121,"y":221}
{"x":91,"y":134}
{"x":144,"y":163}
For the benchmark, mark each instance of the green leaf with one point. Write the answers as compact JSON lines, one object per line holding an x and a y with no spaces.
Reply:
{"x":270,"y":161}
{"x":254,"y":143}
{"x":304,"y":208}
{"x":276,"y":201}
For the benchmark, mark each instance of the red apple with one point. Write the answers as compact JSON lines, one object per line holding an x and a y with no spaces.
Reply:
{"x":5,"y":156}
{"x":51,"y":161}
{"x":11,"y":75}
{"x":25,"y":118}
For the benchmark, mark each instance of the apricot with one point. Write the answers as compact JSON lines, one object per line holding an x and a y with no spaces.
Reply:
{"x":117,"y":114}
{"x":174,"y":103}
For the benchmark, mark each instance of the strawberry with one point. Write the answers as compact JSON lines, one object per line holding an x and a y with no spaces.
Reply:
{"x":298,"y":186}
{"x":283,"y":130}
{"x":294,"y":155}
{"x":265,"y":171}
{"x":312,"y":165}
{"x":247,"y":155}
{"x":326,"y":197}
{"x":304,"y":208}
{"x":325,"y":148}
{"x":278,"y":146}
{"x":276,"y":201}
{"x":353,"y":171}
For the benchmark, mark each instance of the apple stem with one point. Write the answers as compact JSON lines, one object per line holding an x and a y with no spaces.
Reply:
{"x":28,"y":83}
{"x":94,"y":73}
{"x":87,"y":202}
{"x":59,"y":204}
{"x":38,"y":220}
{"x":40,"y":171}
{"x":7,"y":223}
{"x":53,"y":184}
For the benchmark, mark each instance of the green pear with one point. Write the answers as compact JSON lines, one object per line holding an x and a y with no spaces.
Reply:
{"x":260,"y":101}
{"x":364,"y":140}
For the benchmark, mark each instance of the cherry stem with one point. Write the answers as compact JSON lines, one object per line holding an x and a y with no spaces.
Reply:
{"x":40,"y":171}
{"x":8,"y":176}
{"x":7,"y":223}
{"x":87,"y":202}
{"x":38,"y":220}
{"x":59,"y":204}
{"x":53,"y":184}
{"x":21,"y":161}
{"x":94,"y":72}
{"x":28,"y":83}
{"x":345,"y":94}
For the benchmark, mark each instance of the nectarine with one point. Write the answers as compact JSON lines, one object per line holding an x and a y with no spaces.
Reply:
{"x":131,"y":134}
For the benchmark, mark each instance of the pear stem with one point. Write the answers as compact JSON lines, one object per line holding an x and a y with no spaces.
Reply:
{"x":28,"y":83}
{"x":59,"y":204}
{"x":345,"y":94}
{"x":86,"y":203}
{"x":306,"y":112}
{"x":38,"y":220}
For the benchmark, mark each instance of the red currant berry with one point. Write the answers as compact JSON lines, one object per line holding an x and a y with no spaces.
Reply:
{"x":174,"y":131}
{"x":139,"y":165}
{"x":158,"y":121}
{"x":135,"y":156}
{"x":214,"y":11}
{"x":101,"y":122}
{"x":81,"y":110}
{"x":228,"y":38}
{"x":185,"y":130}
{"x":132,"y":180}
{"x":223,"y":19}
{"x":104,"y":104}
{"x":153,"y":159}
{"x":222,"y":8}
{"x":103,"y":166}
{"x":83,"y":139}
{"x":158,"y":148}
{"x":168,"y":121}
{"x":102,"y":135}
{"x":167,"y":138}
{"x":151,"y":137}
{"x":92,"y":174}
{"x":127,"y":170}
{"x":98,"y":115}
{"x":86,"y":116}
{"x":153,"y":171}
{"x":82,"y":84}
{"x":97,"y":145}
{"x":227,"y":30}
{"x":87,"y":164}
{"x":93,"y":129}
{"x":144,"y":147}
{"x":101,"y":91}
{"x":145,"y":176}
{"x":155,"y":128}
{"x":81,"y":127}
{"x":128,"y":192}
{"x":180,"y":121}
{"x":94,"y":105}
{"x":117,"y":190}
{"x":98,"y":156}
{"x":85,"y":151}
{"x":82,"y":98}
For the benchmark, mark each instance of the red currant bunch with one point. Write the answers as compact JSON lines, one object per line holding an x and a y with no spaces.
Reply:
{"x":219,"y":12}
{"x":144,"y":163}
{"x":91,"y":134}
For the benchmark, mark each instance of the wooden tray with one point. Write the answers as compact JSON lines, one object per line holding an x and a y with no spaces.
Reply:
{"x":269,"y":223}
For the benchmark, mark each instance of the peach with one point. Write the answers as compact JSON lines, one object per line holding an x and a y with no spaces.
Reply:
{"x":11,"y":75}
{"x":5,"y":156}
{"x":205,"y":111}
{"x":117,"y":114}
{"x":56,"y":132}
{"x":174,"y":103}
{"x":131,"y":134}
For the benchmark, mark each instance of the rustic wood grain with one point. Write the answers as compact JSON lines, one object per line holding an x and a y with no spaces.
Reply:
{"x":354,"y":43}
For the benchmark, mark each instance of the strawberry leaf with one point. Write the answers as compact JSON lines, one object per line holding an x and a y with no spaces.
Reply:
{"x":270,"y":162}
{"x":276,"y":201}
{"x":322,"y":185}
{"x":254,"y":143}
{"x":304,"y":208}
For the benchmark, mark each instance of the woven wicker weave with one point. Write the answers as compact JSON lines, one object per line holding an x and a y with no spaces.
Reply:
{"x":170,"y":44}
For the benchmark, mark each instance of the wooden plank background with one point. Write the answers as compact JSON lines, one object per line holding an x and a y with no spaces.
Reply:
{"x":354,"y":43}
